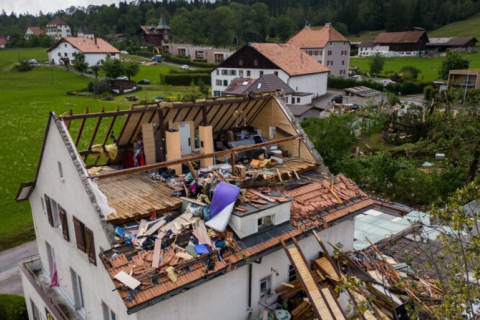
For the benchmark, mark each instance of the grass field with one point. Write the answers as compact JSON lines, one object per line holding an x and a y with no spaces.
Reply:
{"x":466,"y":28}
{"x":364,"y":35}
{"x":25,"y":100}
{"x":428,"y":66}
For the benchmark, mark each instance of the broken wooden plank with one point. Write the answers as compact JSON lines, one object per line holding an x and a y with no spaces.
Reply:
{"x":261,"y":195}
{"x":155,"y":227}
{"x":127,"y":280}
{"x":156,"y":253}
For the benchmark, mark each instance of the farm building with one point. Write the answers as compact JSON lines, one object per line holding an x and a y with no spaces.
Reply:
{"x":95,"y":50}
{"x":461,"y":44}
{"x":395,"y":44}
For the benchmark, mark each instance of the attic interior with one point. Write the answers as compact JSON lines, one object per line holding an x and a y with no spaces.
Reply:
{"x":195,"y":187}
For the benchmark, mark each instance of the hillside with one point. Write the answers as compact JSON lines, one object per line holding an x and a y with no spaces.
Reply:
{"x":464,"y":28}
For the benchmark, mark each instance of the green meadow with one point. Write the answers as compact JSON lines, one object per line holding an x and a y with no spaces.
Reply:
{"x":26,"y":98}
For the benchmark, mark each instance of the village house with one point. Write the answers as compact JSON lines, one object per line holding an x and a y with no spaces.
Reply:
{"x":33,"y":31}
{"x":3,"y":42}
{"x":95,"y":50}
{"x":395,"y":44}
{"x":291,"y":64}
{"x":299,"y":103}
{"x":464,"y":79}
{"x":84,"y":32}
{"x":193,"y":52}
{"x":327,"y":46}
{"x":150,"y":224}
{"x":154,"y":35}
{"x":57,"y":28}
{"x":460,"y":44}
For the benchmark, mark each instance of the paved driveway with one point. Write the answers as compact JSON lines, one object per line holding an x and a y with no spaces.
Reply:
{"x":10,"y":279}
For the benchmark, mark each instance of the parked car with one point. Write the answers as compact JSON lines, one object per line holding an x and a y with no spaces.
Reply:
{"x":144,"y":81}
{"x":89,"y":71}
{"x":32,"y":61}
{"x":124,"y":52}
{"x":122,"y":78}
{"x":158,"y":99}
{"x":352,"y":106}
{"x":185,"y":67}
{"x":157,"y":58}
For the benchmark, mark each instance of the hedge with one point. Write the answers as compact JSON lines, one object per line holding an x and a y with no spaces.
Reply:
{"x":189,"y":71}
{"x":13,"y":307}
{"x":186,"y":79}
{"x":407,"y":87}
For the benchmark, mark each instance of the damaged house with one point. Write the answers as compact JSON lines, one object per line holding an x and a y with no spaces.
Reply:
{"x":182,"y":210}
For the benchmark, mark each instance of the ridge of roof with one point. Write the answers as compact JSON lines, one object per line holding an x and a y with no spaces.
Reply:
{"x":316,"y":37}
{"x":400,"y":37}
{"x":87,"y":45}
{"x":289,"y":58}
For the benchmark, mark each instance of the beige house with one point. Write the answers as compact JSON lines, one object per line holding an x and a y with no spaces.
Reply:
{"x":327,"y":46}
{"x":212,"y":55}
{"x":468,"y":78}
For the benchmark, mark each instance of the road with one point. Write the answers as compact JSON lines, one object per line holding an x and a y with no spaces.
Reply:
{"x":10,"y":279}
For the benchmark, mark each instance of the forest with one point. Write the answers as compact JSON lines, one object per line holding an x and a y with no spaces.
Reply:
{"x":233,"y":22}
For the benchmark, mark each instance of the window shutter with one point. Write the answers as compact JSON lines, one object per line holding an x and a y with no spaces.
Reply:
{"x":90,"y":246}
{"x":79,"y":234}
{"x":63,"y":220}
{"x":49,"y":210}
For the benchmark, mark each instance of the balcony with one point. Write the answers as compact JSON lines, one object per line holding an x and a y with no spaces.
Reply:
{"x":54,"y":298}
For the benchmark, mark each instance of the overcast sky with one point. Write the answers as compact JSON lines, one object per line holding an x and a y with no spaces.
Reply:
{"x":34,"y":6}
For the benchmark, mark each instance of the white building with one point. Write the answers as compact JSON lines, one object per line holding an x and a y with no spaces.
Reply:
{"x":33,"y":31}
{"x":95,"y":50}
{"x":57,"y":28}
{"x":76,"y":215}
{"x":395,"y":44}
{"x":84,"y":32}
{"x":292,"y":65}
{"x":327,"y":46}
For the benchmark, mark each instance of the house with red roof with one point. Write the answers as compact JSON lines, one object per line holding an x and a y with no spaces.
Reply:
{"x":95,"y":50}
{"x":327,"y":46}
{"x":33,"y":31}
{"x":292,"y":65}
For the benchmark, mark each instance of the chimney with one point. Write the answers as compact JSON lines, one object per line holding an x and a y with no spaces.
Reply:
{"x":95,"y":39}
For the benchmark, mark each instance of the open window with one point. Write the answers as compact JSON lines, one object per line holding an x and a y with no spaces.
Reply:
{"x":265,"y":285}
{"x":85,"y":240}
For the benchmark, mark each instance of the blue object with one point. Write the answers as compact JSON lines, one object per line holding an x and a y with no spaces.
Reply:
{"x":220,"y":244}
{"x":225,"y":194}
{"x":206,"y":213}
{"x":119,"y":232}
{"x":201,"y":249}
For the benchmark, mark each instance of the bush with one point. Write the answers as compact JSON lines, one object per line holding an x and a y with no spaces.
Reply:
{"x":185,"y":79}
{"x":428,"y":92}
{"x":13,"y":307}
{"x":198,"y":70}
{"x":24,"y":66}
{"x":98,"y":86}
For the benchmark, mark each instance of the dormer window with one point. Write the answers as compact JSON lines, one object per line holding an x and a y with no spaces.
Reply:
{"x":240,"y":62}
{"x":255,"y":62}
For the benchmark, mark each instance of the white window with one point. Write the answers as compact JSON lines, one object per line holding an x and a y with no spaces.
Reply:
{"x":108,"y":314}
{"x":50,"y":256}
{"x":216,"y":93}
{"x":55,"y":213}
{"x":233,"y":72}
{"x":248,"y":73}
{"x":218,"y":72}
{"x":225,"y":83}
{"x":265,"y":285}
{"x":35,"y":312}
{"x":224,"y":72}
{"x":261,"y":73}
{"x":255,"y":62}
{"x":298,"y":100}
{"x":265,"y":221}
{"x":240,"y":62}
{"x":218,"y":82}
{"x":240,"y":73}
{"x":77,"y":291}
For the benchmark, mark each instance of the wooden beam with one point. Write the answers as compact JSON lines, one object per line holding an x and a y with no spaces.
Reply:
{"x":228,"y":116}
{"x":110,"y":174}
{"x":94,"y":134}
{"x":135,"y":131}
{"x":215,"y":115}
{"x":107,"y":114}
{"x":161,"y":129}
{"x":107,"y":135}
{"x":80,"y":130}
{"x":257,"y":112}
{"x":205,"y":119}
{"x":124,"y":125}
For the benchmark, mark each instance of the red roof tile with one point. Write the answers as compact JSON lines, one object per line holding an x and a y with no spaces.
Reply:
{"x":316,"y":37}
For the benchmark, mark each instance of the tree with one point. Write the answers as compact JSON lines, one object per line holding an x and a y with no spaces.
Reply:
{"x":221,"y":31}
{"x":66,"y":63}
{"x":113,"y":68}
{"x":95,"y":70}
{"x":284,"y":27}
{"x":376,"y":64}
{"x":342,"y":28}
{"x":80,"y":64}
{"x":131,"y":68}
{"x":453,"y":61}
{"x":456,"y":262}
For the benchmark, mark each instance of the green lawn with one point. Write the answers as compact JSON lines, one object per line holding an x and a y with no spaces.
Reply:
{"x":466,"y":28}
{"x":428,"y":66}
{"x":364,"y":35}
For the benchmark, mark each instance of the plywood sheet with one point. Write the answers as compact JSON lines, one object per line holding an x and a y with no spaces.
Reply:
{"x":149,"y":147}
{"x":127,"y":280}
{"x":206,"y":144}
{"x":174,"y":150}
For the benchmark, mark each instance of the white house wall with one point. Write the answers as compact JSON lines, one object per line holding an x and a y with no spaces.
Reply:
{"x":66,"y":48}
{"x":226,"y":297}
{"x":312,"y":83}
{"x":70,"y":194}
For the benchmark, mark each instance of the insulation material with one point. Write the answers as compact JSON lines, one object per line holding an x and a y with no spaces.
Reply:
{"x":101,"y":200}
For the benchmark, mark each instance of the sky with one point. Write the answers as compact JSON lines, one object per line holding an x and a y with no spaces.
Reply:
{"x":35,"y":6}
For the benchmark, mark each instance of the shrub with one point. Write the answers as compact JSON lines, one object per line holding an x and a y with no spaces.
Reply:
{"x":13,"y":307}
{"x":98,"y":86}
{"x":185,"y":79}
{"x":428,"y":92}
{"x":24,"y":66}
